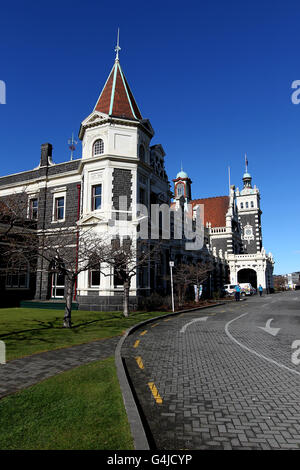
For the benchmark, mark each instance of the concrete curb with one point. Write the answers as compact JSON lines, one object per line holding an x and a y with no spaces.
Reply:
{"x":134,"y":418}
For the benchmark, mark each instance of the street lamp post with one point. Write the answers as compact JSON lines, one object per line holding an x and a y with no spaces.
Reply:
{"x":171,"y":264}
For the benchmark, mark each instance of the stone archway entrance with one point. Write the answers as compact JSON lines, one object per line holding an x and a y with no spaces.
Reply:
{"x":248,"y":275}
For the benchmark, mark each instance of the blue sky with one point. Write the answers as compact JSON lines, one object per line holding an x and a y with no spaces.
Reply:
{"x":214,"y":78}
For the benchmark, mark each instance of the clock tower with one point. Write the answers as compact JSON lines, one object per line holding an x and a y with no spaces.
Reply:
{"x":182,"y":186}
{"x":249,"y":215}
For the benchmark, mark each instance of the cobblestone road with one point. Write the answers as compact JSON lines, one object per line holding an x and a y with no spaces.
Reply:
{"x":222,"y":382}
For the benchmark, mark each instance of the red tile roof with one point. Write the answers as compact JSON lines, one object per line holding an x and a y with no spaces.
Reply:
{"x":215,"y":209}
{"x":116,"y":98}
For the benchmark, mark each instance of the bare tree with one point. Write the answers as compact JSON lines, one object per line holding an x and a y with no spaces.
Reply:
{"x":197,"y":274}
{"x":181,"y":281}
{"x":13,"y":214}
{"x":126,"y":259}
{"x":191,"y":274}
{"x":280,"y":282}
{"x":66,"y":252}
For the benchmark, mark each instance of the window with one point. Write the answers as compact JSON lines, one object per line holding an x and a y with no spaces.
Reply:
{"x":57,"y":279}
{"x":247,"y":205}
{"x":96,"y":197}
{"x":242,"y":205}
{"x":33,"y":209}
{"x":59,"y":208}
{"x":180,"y":189}
{"x":119,"y":276}
{"x":17,"y":274}
{"x":142,"y":153}
{"x":252,"y":204}
{"x":94,"y":277}
{"x":98,"y":147}
{"x":58,"y":286}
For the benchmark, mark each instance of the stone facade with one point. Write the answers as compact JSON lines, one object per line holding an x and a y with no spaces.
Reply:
{"x":117,"y":161}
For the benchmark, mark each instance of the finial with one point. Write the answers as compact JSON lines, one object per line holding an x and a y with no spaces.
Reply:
{"x":246,"y":163}
{"x":117,"y":48}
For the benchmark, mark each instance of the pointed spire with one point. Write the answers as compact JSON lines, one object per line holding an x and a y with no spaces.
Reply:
{"x":246,"y":163}
{"x":117,"y":48}
{"x":247,"y":177}
{"x":116,"y":98}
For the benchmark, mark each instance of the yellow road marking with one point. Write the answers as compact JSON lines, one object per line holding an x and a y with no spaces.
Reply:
{"x":154,"y":325}
{"x":143,"y":333}
{"x":139,"y":362}
{"x":168,"y":319}
{"x":136,"y":343}
{"x":155,"y":393}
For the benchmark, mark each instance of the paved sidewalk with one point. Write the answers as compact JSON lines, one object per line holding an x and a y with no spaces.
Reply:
{"x":24,"y":372}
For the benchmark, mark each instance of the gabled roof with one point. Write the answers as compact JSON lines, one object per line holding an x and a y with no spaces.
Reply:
{"x":215,"y":209}
{"x":116,"y":98}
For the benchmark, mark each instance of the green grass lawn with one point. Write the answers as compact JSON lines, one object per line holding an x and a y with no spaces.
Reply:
{"x":78,"y":409}
{"x":27,"y":331}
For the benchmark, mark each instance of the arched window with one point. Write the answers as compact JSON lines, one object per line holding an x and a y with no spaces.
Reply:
{"x":98,"y":147}
{"x":142,"y":153}
{"x":180,"y":189}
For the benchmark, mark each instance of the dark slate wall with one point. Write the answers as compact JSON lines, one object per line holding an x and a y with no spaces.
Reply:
{"x":122,"y":186}
{"x":249,"y":248}
{"x":220,"y":244}
{"x":71,"y":207}
{"x":29,"y":176}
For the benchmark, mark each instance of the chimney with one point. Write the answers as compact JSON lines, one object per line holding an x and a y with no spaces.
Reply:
{"x":46,"y":154}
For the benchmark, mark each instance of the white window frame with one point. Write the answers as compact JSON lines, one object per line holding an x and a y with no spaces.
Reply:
{"x":94,"y":286}
{"x":92,"y":196}
{"x":33,"y":198}
{"x":93,"y":147}
{"x":57,"y":195}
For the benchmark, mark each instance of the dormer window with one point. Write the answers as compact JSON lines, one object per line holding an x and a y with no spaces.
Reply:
{"x":98,"y":147}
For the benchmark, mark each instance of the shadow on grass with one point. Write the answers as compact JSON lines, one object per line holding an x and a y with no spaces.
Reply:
{"x":51,"y":325}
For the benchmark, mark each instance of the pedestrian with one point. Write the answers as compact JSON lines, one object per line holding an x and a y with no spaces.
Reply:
{"x":260,"y":290}
{"x":237,"y":292}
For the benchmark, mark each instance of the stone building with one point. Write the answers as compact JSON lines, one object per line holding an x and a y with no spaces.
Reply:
{"x":119,"y":161}
{"x":234,"y":231}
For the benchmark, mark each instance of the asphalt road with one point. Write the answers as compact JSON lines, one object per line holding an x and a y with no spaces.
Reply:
{"x":221,"y":378}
